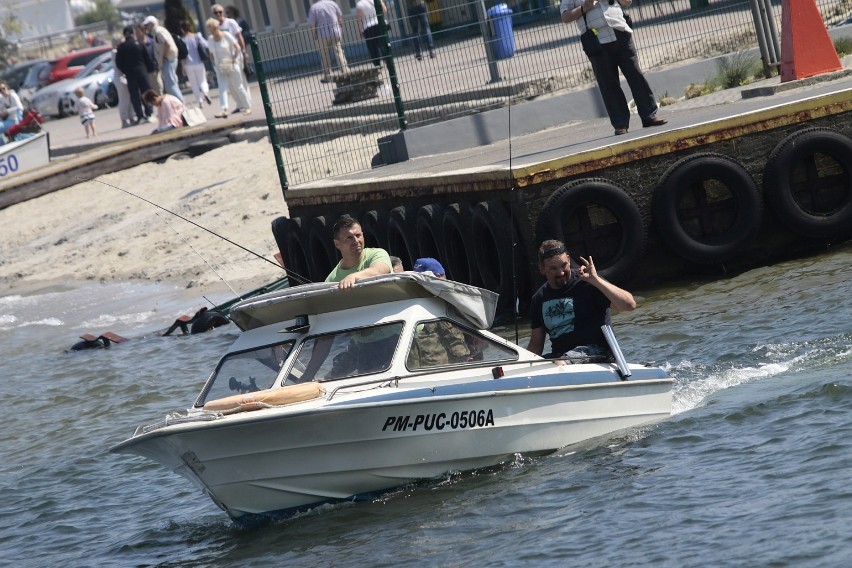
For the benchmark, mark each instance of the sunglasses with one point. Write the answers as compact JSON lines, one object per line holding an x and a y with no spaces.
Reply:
{"x":218,"y":12}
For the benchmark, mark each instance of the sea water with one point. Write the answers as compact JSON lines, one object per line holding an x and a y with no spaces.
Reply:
{"x":752,"y":469}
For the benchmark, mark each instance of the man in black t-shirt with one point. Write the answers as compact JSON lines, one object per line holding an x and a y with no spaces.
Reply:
{"x":572,"y":305}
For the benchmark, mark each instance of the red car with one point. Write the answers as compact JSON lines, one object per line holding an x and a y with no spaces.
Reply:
{"x":71,"y":64}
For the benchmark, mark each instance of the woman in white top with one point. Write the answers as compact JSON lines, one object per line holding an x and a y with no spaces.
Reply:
{"x":225,"y":52}
{"x":193,"y":65}
{"x":11,"y":109}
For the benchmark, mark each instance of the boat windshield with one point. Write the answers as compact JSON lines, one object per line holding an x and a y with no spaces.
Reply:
{"x":345,"y":354}
{"x":437,"y":343}
{"x":246,"y":371}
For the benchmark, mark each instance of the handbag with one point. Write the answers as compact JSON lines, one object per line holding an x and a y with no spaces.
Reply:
{"x":589,"y":39}
{"x":226,"y":65}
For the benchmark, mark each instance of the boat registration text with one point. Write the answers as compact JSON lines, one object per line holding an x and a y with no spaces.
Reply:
{"x":440,"y":421}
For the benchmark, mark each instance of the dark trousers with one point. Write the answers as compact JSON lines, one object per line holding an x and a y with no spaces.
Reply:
{"x":616,"y":55}
{"x":418,"y":19}
{"x":375,"y":44}
{"x":138,"y":85}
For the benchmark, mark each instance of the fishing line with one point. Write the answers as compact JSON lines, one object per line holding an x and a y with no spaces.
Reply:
{"x":290,"y":273}
{"x":512,"y":214}
{"x":199,"y":256}
{"x":184,"y":219}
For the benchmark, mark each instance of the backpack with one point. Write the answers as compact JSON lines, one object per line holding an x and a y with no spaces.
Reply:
{"x":183,"y":52}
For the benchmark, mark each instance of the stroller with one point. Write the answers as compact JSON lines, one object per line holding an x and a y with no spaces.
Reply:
{"x":29,"y":126}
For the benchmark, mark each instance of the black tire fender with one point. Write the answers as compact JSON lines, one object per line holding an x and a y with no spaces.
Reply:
{"x":458,"y":258}
{"x":375,"y":227}
{"x":321,"y":246}
{"x":292,"y":242}
{"x":402,"y":241}
{"x":596,"y":217}
{"x":493,"y":245}
{"x":809,"y":203}
{"x":707,"y":207}
{"x":427,"y":227}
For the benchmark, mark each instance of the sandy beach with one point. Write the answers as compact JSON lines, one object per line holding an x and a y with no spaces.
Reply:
{"x":93,"y":232}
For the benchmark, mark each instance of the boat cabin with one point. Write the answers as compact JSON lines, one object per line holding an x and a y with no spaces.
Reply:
{"x":388,"y":326}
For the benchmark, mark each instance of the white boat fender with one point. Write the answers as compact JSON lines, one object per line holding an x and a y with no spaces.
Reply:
{"x":266,"y":398}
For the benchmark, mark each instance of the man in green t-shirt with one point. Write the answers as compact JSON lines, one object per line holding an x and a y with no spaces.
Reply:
{"x":357,"y":262}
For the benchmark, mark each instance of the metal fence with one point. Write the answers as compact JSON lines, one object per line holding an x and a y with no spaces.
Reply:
{"x":484,"y":58}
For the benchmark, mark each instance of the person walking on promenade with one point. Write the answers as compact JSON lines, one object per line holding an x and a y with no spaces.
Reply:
{"x":133,"y":60}
{"x":616,"y":51}
{"x":197,"y":53}
{"x":155,"y":80}
{"x":572,"y":305}
{"x":368,"y":23}
{"x":119,"y":81}
{"x":325,"y":20}
{"x":225,"y":51}
{"x":418,"y":19}
{"x":86,"y":111}
{"x":230,"y":25}
{"x":233,"y":13}
{"x":165,"y":54}
{"x":356,"y":261}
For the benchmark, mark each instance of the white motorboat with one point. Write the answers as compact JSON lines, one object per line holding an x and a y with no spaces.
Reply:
{"x":329,"y":395}
{"x":23,"y":155}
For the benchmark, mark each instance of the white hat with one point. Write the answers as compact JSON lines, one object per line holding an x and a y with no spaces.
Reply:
{"x":150,"y":20}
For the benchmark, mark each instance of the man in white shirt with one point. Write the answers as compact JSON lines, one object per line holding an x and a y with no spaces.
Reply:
{"x":165,"y":54}
{"x":613,"y":31}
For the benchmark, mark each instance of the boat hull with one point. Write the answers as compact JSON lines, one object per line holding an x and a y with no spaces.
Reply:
{"x":278,"y":461}
{"x":24,"y":155}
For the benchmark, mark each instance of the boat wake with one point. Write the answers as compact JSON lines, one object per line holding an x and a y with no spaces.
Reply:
{"x":695,"y":383}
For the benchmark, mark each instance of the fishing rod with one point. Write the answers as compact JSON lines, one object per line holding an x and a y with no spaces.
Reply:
{"x":291,"y":273}
{"x":189,"y":244}
{"x":512,"y":217}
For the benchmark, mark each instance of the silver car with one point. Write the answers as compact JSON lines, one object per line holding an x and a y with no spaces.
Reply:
{"x":58,"y":99}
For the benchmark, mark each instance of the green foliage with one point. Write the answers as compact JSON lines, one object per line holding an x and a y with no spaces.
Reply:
{"x":177,"y":12}
{"x":843,"y":46}
{"x":104,"y":11}
{"x":8,"y":51}
{"x":736,"y":70}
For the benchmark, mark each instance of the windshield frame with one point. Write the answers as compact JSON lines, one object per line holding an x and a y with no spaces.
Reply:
{"x":230,"y":356}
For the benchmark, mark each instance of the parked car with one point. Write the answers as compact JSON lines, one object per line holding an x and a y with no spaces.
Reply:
{"x":104,"y":93}
{"x":72,"y":64}
{"x":15,"y":76}
{"x":58,"y":99}
{"x":36,"y":79}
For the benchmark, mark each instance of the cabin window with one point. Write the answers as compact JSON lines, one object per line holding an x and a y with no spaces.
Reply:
{"x":443,"y":342}
{"x":345,"y":354}
{"x":246,"y":371}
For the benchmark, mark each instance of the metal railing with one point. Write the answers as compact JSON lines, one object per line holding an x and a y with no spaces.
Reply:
{"x":481,"y":62}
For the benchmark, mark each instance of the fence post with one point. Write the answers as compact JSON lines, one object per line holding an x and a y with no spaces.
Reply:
{"x":487,"y":37}
{"x":270,"y":119}
{"x":394,"y":81}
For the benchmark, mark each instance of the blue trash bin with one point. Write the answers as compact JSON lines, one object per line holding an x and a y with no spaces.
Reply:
{"x":503,"y":42}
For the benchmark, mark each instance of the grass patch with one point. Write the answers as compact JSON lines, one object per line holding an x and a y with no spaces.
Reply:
{"x":843,"y":46}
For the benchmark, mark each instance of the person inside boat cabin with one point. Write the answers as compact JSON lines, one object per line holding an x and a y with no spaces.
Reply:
{"x":436,"y":342}
{"x":396,"y":263}
{"x":357,"y":262}
{"x":572,"y":305}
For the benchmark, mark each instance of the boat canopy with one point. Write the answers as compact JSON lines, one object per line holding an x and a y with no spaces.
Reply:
{"x":476,"y":305}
